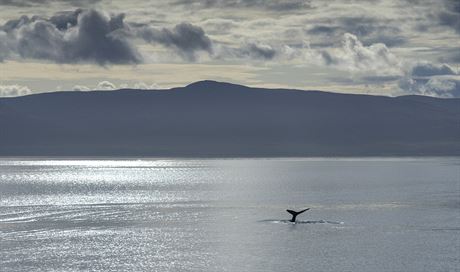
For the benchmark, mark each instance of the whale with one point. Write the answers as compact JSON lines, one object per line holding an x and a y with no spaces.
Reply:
{"x":294,"y":214}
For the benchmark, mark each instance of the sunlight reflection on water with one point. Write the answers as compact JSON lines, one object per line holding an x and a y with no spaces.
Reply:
{"x":214,"y":215}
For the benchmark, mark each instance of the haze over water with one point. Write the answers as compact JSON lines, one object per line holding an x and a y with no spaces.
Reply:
{"x":367,"y":214}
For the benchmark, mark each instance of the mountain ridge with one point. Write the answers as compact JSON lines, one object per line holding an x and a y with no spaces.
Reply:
{"x":214,"y":83}
{"x":214,"y":119}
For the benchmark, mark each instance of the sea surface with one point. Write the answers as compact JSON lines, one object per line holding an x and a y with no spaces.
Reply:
{"x":366,"y":214}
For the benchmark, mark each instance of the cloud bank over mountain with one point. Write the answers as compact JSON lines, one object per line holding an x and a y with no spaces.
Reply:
{"x":356,"y":46}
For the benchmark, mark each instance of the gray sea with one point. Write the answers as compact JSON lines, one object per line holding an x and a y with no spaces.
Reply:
{"x":366,"y":214}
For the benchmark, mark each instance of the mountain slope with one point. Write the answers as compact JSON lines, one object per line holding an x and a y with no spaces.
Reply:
{"x":220,"y":119}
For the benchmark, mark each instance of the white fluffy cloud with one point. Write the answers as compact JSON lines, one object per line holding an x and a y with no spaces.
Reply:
{"x":145,"y":86}
{"x":425,"y":78}
{"x":106,"y":86}
{"x":14,"y":90}
{"x":355,"y":57}
{"x":80,"y":88}
{"x":109,"y":86}
{"x":438,"y":87}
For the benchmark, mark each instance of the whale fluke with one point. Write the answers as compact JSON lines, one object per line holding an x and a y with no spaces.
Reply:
{"x":294,"y":214}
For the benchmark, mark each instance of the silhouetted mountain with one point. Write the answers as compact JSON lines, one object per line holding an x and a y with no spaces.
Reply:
{"x":215,"y":119}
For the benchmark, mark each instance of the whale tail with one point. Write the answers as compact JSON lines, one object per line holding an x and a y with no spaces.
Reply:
{"x":294,"y":213}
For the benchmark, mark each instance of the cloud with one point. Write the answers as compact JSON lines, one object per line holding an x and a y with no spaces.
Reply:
{"x":451,"y":55}
{"x":72,"y":37}
{"x":427,"y":69}
{"x":4,"y":47}
{"x":439,"y":87}
{"x":83,"y":36}
{"x":273,"y":5}
{"x":370,"y":30}
{"x":218,"y":26}
{"x":20,"y":3}
{"x":66,"y":19}
{"x":80,"y":88}
{"x":249,"y":50}
{"x":109,"y":86}
{"x":259,"y":50}
{"x":145,"y":86}
{"x":33,"y":3}
{"x":426,"y":78}
{"x":185,"y":38}
{"x":14,"y":90}
{"x":450,"y":16}
{"x":380,"y":79}
{"x":106,"y":86}
{"x":255,"y":50}
{"x":355,"y":57}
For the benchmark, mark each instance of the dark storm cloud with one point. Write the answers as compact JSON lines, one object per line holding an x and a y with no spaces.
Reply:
{"x":274,"y":5}
{"x":66,"y":19}
{"x":370,"y":30}
{"x":185,"y":38}
{"x":80,"y":36}
{"x":94,"y":36}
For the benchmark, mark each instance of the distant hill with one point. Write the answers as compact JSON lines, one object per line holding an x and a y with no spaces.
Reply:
{"x":213,"y":119}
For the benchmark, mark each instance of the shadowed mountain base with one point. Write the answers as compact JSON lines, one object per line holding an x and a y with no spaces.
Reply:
{"x":212,"y":119}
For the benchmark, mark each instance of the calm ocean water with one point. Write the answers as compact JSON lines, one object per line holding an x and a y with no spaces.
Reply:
{"x":367,"y":214}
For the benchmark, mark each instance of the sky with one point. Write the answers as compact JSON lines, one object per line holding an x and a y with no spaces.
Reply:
{"x":386,"y":47}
